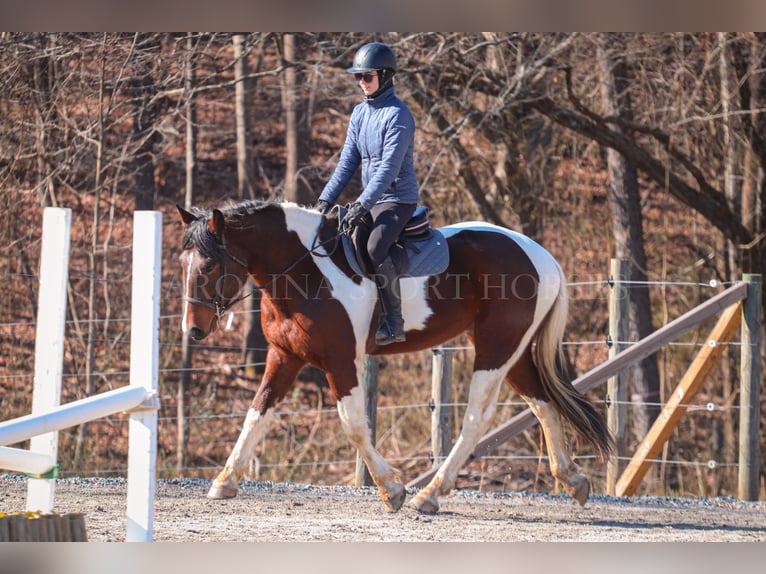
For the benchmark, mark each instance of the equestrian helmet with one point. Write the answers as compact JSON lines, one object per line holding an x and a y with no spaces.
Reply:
{"x":373,"y":56}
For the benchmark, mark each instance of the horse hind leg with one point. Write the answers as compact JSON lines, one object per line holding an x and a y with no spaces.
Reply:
{"x":563,"y":468}
{"x":525,"y":379}
{"x":482,"y":400}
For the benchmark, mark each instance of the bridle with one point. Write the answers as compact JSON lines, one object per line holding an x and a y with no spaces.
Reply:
{"x":217,"y":302}
{"x":221,"y":308}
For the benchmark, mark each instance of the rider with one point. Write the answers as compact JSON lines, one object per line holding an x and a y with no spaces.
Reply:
{"x":380,"y":137}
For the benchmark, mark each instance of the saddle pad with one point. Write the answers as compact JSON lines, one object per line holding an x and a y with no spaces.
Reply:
{"x":428,"y":256}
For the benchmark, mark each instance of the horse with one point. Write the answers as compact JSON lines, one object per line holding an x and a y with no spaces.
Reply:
{"x":500,"y":287}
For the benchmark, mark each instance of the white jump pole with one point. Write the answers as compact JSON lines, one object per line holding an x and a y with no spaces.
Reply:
{"x":49,"y":343}
{"x":72,"y":414}
{"x":21,"y":460}
{"x":144,"y":368}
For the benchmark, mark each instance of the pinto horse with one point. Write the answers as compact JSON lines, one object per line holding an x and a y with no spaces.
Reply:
{"x":502,"y":288}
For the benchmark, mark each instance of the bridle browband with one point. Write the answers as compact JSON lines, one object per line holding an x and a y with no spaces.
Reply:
{"x":221,"y":308}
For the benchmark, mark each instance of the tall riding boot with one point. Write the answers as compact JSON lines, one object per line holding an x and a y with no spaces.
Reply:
{"x":391,"y":328}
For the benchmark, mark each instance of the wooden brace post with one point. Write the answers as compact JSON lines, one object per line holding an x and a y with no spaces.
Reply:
{"x":678,"y":401}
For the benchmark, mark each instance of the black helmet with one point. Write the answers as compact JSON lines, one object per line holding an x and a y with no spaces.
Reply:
{"x":373,"y":56}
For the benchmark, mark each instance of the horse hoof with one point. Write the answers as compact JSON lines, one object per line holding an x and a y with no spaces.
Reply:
{"x":221,"y":491}
{"x":395,"y":498}
{"x":426,"y":504}
{"x":580,"y":489}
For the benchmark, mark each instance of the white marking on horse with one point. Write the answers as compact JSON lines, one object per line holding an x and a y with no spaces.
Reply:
{"x":190,"y":259}
{"x":353,"y":415}
{"x":483,"y":393}
{"x":356,"y":299}
{"x":353,"y":418}
{"x":253,"y":430}
{"x":548,"y":269}
{"x":550,"y":421}
{"x":482,"y":399}
{"x":415,"y":308}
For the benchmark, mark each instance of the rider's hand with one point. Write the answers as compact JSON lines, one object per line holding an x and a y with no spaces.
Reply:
{"x":323,"y":206}
{"x":354,"y":215}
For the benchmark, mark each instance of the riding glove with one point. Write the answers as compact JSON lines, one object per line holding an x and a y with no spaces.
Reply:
{"x":354,"y":215}
{"x":323,"y":206}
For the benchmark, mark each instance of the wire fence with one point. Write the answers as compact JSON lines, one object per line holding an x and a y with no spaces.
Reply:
{"x":327,"y":414}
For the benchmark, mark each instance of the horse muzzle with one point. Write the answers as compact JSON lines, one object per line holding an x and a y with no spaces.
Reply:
{"x":197,"y":334}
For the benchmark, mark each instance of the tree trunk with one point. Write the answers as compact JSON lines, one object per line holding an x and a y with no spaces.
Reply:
{"x":757,"y":82}
{"x":510,"y":182}
{"x":191,"y":179}
{"x":627,"y":228}
{"x":749,"y":59}
{"x":94,"y":258}
{"x":731,"y":152}
{"x":44,"y":72}
{"x":254,"y":340}
{"x":240,"y":112}
{"x":144,"y":134}
{"x":296,"y":133}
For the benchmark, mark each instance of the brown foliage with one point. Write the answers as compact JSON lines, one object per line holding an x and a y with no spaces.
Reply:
{"x":510,"y":130}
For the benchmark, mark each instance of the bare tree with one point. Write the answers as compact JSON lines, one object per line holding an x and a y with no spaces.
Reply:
{"x":94,"y":256}
{"x":240,"y":110}
{"x":749,"y":60}
{"x":145,"y":115}
{"x":187,"y":349}
{"x":628,"y":232}
{"x":296,"y":121}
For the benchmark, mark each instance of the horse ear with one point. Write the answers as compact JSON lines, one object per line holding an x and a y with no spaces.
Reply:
{"x":185,"y":215}
{"x":215,"y":224}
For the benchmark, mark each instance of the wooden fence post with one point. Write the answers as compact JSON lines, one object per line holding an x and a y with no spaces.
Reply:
{"x":441,"y":410}
{"x":750,"y":390}
{"x":617,"y":386}
{"x":370,"y":388}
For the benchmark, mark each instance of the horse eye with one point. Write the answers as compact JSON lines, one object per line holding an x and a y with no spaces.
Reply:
{"x":208,"y":267}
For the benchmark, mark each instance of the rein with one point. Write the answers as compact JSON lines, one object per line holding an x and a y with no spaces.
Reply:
{"x":222,"y":308}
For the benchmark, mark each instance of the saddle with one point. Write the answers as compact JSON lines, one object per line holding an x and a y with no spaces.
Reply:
{"x":420,"y":251}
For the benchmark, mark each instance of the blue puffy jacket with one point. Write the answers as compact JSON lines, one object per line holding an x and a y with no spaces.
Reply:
{"x":381,"y":135}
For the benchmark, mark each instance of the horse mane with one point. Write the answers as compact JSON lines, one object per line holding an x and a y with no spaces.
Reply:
{"x":198,"y":234}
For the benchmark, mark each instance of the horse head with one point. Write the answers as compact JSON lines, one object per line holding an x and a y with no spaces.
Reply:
{"x":212,"y":276}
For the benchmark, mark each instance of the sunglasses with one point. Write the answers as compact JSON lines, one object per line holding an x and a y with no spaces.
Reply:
{"x":366,"y":77}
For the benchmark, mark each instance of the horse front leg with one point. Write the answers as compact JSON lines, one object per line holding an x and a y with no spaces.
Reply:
{"x":281,"y":370}
{"x":254,"y":429}
{"x":354,"y":421}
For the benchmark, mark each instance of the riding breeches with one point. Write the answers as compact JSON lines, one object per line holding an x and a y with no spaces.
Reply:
{"x":388,"y":221}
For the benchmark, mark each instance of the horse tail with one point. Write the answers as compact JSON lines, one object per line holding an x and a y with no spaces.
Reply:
{"x":574,"y":407}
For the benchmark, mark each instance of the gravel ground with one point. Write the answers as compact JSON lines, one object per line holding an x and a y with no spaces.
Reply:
{"x":272,"y":512}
